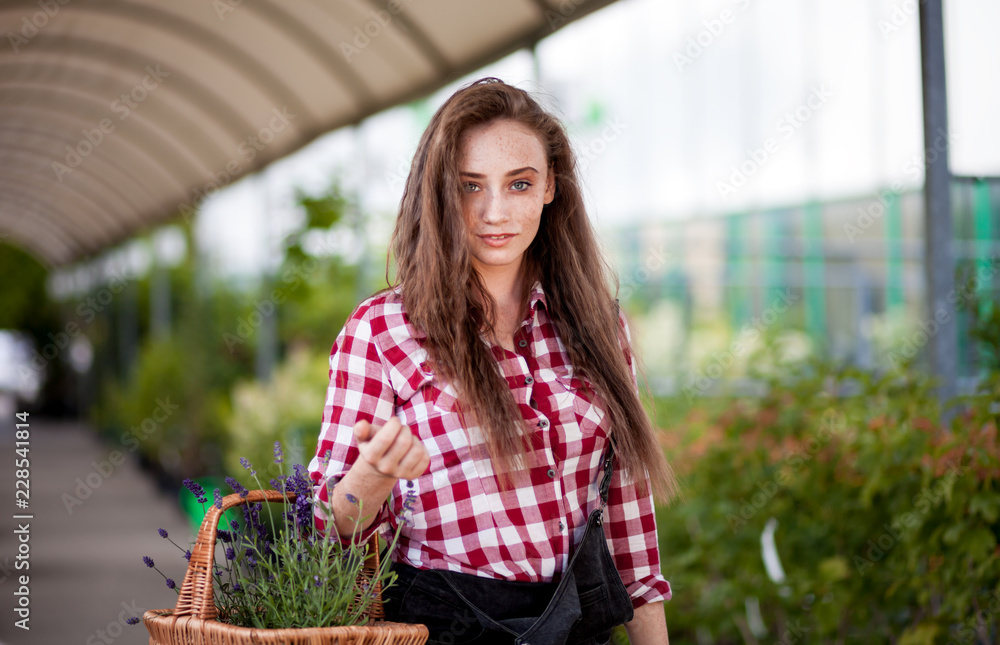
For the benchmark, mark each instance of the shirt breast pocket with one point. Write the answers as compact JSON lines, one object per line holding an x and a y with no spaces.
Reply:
{"x":423,"y":395}
{"x":581,"y":409}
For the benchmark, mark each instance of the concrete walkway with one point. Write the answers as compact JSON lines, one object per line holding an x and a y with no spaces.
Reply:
{"x":85,"y":561}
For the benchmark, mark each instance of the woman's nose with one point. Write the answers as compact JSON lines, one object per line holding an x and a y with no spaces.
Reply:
{"x":494,"y":208}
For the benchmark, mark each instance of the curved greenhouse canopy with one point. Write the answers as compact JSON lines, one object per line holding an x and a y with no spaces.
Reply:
{"x":117,"y":115}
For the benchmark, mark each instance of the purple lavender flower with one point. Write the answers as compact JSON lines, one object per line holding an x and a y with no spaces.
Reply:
{"x":235,"y":525}
{"x":303,"y":516}
{"x":194,"y":487}
{"x":148,"y":561}
{"x":230,"y":553}
{"x":163,"y":534}
{"x":131,"y":620}
{"x":187,"y":555}
{"x":246,"y":464}
{"x":224,"y":536}
{"x":351,"y":498}
{"x":237,"y":587}
{"x":237,"y":487}
{"x":279,"y":456}
{"x":171,"y":584}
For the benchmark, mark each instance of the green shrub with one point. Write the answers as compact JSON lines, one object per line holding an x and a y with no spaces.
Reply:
{"x":886,"y":523}
{"x":288,"y":408}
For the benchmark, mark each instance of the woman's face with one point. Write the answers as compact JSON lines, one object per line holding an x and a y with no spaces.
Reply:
{"x":505,"y":183}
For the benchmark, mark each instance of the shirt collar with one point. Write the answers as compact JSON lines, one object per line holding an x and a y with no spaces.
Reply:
{"x":537,"y":295}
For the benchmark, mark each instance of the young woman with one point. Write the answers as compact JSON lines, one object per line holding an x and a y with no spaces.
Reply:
{"x":480,"y":394}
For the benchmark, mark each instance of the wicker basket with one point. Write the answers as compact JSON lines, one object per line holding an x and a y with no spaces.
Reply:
{"x":193,"y":620}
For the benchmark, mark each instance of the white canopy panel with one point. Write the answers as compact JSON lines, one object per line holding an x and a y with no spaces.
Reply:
{"x":117,"y":115}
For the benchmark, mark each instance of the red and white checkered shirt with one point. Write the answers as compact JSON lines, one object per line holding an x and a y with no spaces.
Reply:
{"x":457,"y":518}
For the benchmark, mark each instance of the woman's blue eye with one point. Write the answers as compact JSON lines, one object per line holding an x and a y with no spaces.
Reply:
{"x":521,"y":181}
{"x":469,"y":187}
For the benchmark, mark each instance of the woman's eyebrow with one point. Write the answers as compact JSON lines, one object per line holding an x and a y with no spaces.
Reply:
{"x":477,"y":175}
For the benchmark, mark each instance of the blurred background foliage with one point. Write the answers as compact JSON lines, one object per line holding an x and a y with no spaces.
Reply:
{"x":227,"y":406}
{"x":884,"y":523}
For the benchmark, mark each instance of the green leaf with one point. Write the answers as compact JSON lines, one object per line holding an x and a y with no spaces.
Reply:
{"x":985,"y":504}
{"x":923,"y":634}
{"x":834,"y":569}
{"x":978,"y":543}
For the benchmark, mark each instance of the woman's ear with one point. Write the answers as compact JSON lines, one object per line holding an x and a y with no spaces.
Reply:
{"x":550,"y":185}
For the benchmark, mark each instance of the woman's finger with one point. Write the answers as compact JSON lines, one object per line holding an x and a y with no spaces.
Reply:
{"x":373,"y":451}
{"x":396,"y":452}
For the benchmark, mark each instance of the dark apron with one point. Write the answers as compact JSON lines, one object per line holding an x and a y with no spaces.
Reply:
{"x":580,"y":609}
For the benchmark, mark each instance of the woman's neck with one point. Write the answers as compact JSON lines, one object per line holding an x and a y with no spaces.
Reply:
{"x":505,"y":285}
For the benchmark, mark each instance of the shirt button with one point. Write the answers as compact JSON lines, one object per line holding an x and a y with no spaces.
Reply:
{"x":522,"y":343}
{"x":551,"y":473}
{"x":528,"y":380}
{"x":561,"y":526}
{"x":544,"y":423}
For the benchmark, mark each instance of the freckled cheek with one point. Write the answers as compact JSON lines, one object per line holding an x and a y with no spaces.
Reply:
{"x":530,"y":213}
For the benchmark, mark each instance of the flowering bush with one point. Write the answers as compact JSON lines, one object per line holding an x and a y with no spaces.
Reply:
{"x":282,"y":572}
{"x":837,"y":509}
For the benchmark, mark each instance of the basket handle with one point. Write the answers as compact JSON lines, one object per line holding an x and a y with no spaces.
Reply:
{"x":197,"y":598}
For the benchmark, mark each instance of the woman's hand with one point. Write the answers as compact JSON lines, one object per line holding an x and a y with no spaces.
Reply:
{"x":391,"y":450}
{"x":386,"y":455}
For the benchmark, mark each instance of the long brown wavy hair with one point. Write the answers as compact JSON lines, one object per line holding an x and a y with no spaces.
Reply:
{"x":445,"y":297}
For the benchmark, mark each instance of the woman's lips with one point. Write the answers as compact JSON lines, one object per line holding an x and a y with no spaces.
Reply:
{"x":497,"y":241}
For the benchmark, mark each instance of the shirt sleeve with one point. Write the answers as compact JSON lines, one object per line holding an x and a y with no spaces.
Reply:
{"x":632,"y":527}
{"x":359,"y":389}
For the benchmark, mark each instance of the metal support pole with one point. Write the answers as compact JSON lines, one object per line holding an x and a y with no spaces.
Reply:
{"x":938,"y":262}
{"x":267,"y":336}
